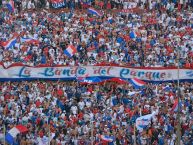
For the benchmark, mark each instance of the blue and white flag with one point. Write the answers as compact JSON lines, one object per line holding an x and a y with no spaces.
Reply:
{"x":95,"y":12}
{"x":89,"y":80}
{"x":143,"y":121}
{"x":10,"y":6}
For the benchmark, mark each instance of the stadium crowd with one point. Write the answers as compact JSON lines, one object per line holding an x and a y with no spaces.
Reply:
{"x":148,"y":38}
{"x":151,"y":35}
{"x":75,"y":112}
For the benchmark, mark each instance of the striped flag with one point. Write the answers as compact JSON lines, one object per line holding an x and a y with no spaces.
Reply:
{"x":70,"y":51}
{"x":137,"y":83}
{"x":175,"y":106}
{"x":10,"y":6}
{"x":95,"y":12}
{"x":14,"y":132}
{"x":10,"y":43}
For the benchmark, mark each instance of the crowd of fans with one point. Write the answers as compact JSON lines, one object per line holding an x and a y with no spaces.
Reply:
{"x":149,"y":35}
{"x":149,"y":38}
{"x":75,"y":112}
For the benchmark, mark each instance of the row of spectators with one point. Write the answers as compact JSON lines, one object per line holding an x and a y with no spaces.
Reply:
{"x":139,"y":38}
{"x":77,"y":112}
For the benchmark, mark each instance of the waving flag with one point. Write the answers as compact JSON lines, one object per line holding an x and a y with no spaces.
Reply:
{"x":106,"y":138}
{"x":57,"y":3}
{"x":14,"y":132}
{"x":45,"y":140}
{"x":143,"y":121}
{"x":90,"y":80}
{"x":132,"y":35}
{"x":70,"y":51}
{"x":10,"y":43}
{"x":175,"y":106}
{"x":95,"y":12}
{"x":117,"y":80}
{"x":29,"y":40}
{"x":10,"y":6}
{"x":137,"y":83}
{"x":85,"y":3}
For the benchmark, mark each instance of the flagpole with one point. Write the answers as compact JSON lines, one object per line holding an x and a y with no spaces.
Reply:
{"x":134,"y":135}
{"x":178,"y":95}
{"x":48,"y":132}
{"x":92,"y":140}
{"x":4,"y":132}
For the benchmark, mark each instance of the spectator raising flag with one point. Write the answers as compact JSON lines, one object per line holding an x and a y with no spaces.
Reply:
{"x":70,"y":51}
{"x":10,"y":43}
{"x":10,"y":6}
{"x":95,"y":12}
{"x":137,"y":83}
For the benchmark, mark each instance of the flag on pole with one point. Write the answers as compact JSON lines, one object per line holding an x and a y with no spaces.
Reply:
{"x":137,"y":83}
{"x":10,"y":43}
{"x":14,"y":132}
{"x":29,"y":40}
{"x":90,"y":80}
{"x":95,"y":12}
{"x":70,"y":51}
{"x":45,"y":140}
{"x":106,"y":138}
{"x":175,"y":106}
{"x":10,"y":6}
{"x":143,"y":121}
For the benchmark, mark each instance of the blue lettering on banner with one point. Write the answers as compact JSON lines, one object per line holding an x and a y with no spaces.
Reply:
{"x":66,"y":72}
{"x":150,"y":75}
{"x":49,"y":72}
{"x":26,"y":73}
{"x":124,"y":72}
{"x":93,"y":71}
{"x":81,"y":71}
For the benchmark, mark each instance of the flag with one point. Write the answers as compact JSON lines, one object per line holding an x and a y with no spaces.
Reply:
{"x":137,"y":83}
{"x":10,"y":6}
{"x":132,"y":35}
{"x":57,"y":3}
{"x":70,"y":51}
{"x":175,"y":106}
{"x":10,"y":43}
{"x":143,"y":121}
{"x":90,"y":80}
{"x":45,"y":140}
{"x":85,"y":3}
{"x":29,"y":40}
{"x":106,"y":138}
{"x":110,"y":20}
{"x":14,"y":132}
{"x":94,"y":12}
{"x":117,"y":80}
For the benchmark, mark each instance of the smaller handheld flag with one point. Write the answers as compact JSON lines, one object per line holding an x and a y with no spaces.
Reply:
{"x":132,"y":35}
{"x":29,"y":40}
{"x":143,"y":121}
{"x":9,"y":44}
{"x":95,"y":12}
{"x":106,"y":138}
{"x":137,"y":83}
{"x":70,"y":51}
{"x":14,"y":132}
{"x":175,"y":106}
{"x":90,"y":80}
{"x":10,"y":6}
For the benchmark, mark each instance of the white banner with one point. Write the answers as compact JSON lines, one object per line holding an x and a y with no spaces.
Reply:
{"x":158,"y":74}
